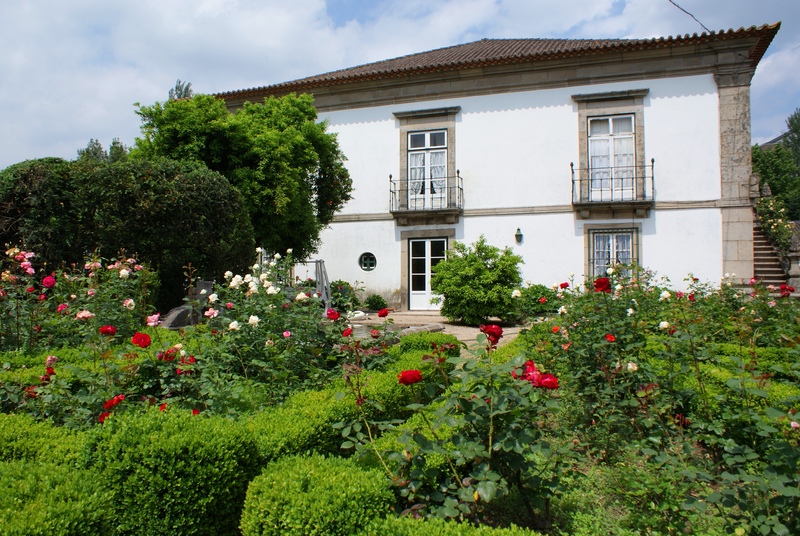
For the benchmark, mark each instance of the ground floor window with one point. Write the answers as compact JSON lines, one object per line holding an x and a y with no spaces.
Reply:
{"x":609,"y":247}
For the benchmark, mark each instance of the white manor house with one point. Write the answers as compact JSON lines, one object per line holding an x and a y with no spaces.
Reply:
{"x":574,"y":153}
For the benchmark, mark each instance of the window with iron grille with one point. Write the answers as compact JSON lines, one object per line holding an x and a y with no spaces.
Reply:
{"x":610,"y":247}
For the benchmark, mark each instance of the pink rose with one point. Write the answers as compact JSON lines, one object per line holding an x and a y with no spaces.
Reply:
{"x":287,"y":334}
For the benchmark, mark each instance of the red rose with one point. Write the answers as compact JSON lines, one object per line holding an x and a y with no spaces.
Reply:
{"x":610,"y":337}
{"x":31,"y":289}
{"x":49,"y":282}
{"x":333,"y":314}
{"x":409,"y":377}
{"x":493,"y":332}
{"x":50,"y":371}
{"x":103,"y":416}
{"x":383,"y":313}
{"x":163,"y":407}
{"x":347,"y":332}
{"x":42,"y":297}
{"x":548,"y":381}
{"x":542,"y":300}
{"x":602,"y":284}
{"x":691,"y":297}
{"x":564,"y":285}
{"x":556,"y":329}
{"x":195,"y":412}
{"x":108,"y":330}
{"x":141,"y":339}
{"x":375,"y":333}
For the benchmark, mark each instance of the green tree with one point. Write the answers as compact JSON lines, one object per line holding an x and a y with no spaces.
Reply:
{"x":792,"y":140}
{"x":779,"y":167}
{"x":289,"y":170}
{"x":93,"y":151}
{"x":182,"y":90}
{"x":165,"y":212}
{"x":476,"y":282}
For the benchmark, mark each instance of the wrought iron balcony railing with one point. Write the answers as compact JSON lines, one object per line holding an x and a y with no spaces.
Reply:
{"x":431,"y":194}
{"x":613,"y":185}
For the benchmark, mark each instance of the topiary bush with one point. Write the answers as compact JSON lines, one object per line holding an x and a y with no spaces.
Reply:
{"x":476,"y":283}
{"x":51,"y":499}
{"x":423,"y":341}
{"x":308,"y":496}
{"x":22,"y":438}
{"x":172,"y":472}
{"x":409,"y":526}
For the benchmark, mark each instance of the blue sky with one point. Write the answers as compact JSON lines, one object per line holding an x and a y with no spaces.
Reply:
{"x":71,"y":71}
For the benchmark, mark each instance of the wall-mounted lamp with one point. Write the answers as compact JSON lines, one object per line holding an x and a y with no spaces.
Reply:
{"x":518,"y":236}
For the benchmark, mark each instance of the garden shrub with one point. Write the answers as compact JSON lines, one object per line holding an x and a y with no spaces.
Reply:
{"x":410,"y":526}
{"x":42,"y":498}
{"x":424,"y":339}
{"x":172,"y":472}
{"x":343,"y":296}
{"x":166,"y":213}
{"x":22,"y":438}
{"x":376,"y":302}
{"x":304,"y":422}
{"x":308,"y":496}
{"x":476,"y":282}
{"x":535,"y":300}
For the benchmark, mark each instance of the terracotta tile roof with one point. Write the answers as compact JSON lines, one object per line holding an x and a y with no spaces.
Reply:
{"x":488,"y":52}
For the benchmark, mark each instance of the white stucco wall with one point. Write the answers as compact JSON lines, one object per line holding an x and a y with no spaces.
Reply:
{"x":514,"y":150}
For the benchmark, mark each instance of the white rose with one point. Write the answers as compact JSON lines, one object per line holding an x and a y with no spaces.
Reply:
{"x":277,"y":256}
{"x":233,"y":326}
{"x":633,"y":367}
{"x":272,"y":290}
{"x":288,"y":251}
{"x":124,"y":273}
{"x":516,"y":293}
{"x":663,"y":325}
{"x":301,"y":296}
{"x":228,"y":274}
{"x":253,"y":320}
{"x":664,"y":296}
{"x":212,"y":298}
{"x":259,"y":249}
{"x":631,"y":312}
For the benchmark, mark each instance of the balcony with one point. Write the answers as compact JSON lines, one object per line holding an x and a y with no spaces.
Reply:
{"x":429,"y":201}
{"x":625,"y":191}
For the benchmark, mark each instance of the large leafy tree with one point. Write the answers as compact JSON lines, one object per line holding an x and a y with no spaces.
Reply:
{"x":779,"y":167}
{"x":288,"y":168}
{"x":167,"y":213}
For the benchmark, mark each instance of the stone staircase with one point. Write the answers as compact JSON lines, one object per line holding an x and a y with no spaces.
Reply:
{"x":766,"y":261}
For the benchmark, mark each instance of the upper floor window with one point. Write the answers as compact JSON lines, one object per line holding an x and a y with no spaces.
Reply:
{"x":612,"y":158}
{"x":612,"y":178}
{"x":427,"y":169}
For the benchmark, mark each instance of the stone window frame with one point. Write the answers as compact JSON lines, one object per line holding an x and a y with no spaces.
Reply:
{"x":589,"y":232}
{"x":609,"y":104}
{"x":433,"y":119}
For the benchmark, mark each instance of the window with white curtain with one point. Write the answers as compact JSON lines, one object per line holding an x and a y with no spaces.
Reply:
{"x":427,"y":169}
{"x":612,"y":158}
{"x":610,"y":247}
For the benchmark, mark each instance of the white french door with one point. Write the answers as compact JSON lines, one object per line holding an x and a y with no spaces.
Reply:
{"x":612,"y":162}
{"x":427,"y":170}
{"x":424,"y":254}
